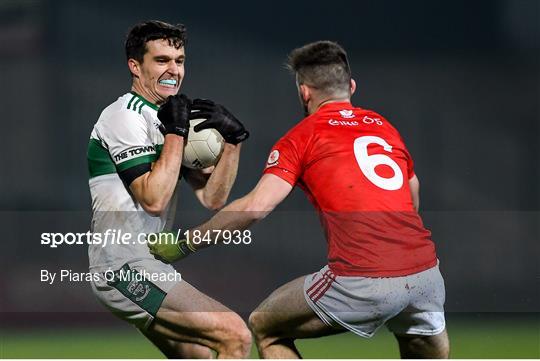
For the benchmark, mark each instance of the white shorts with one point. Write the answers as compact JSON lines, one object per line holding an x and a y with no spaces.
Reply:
{"x":136,"y":291}
{"x":412,"y":305}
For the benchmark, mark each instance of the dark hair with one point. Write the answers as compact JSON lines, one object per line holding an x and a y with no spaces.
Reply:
{"x":146,"y":31}
{"x":322,"y":65}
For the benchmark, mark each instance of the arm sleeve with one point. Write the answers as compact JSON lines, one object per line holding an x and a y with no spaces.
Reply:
{"x":127,"y":138}
{"x":286,"y":158}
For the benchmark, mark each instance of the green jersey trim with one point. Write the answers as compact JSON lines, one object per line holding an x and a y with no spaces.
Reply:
{"x":99,"y":159}
{"x":101,"y":163}
{"x":149,"y":158}
{"x":140,"y":101}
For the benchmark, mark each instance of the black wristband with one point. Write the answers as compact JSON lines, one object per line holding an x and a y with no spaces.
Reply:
{"x":174,"y":129}
{"x":235,"y":139}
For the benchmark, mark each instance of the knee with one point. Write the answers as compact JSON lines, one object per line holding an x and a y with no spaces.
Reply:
{"x":256,"y":325}
{"x":434,"y":347}
{"x":444,"y":346}
{"x":236,"y":342}
{"x":191,"y":350}
{"x":243,"y":340}
{"x":440,"y":345}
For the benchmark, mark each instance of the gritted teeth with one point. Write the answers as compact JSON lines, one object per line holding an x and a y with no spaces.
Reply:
{"x":168,"y":82}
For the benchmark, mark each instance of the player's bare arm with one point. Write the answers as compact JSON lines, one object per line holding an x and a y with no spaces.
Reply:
{"x":213,"y":185}
{"x":414,"y":186}
{"x":242,"y":213}
{"x":237,"y":216}
{"x":213,"y":191}
{"x":154,"y":189}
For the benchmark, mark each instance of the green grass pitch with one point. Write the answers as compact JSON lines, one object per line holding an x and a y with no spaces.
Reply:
{"x":468,"y":340}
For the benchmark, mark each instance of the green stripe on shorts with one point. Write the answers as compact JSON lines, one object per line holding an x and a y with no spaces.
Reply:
{"x":134,"y":286}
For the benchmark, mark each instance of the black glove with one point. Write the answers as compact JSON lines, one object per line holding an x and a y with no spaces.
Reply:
{"x":218,"y":117}
{"x":174,"y":115}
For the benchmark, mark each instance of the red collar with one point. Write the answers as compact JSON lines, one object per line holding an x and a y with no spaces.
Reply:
{"x":335,"y":105}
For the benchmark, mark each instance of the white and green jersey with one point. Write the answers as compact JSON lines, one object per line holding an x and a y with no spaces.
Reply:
{"x":125,"y":138}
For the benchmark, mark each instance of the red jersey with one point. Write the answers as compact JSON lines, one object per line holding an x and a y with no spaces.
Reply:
{"x":355,"y":170}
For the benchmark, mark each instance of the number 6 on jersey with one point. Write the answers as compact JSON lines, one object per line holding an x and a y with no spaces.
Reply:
{"x":367,"y":163}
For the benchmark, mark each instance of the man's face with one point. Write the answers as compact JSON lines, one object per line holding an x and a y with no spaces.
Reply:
{"x":162,"y":70}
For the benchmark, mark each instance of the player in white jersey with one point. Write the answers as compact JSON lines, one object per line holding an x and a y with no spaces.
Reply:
{"x":134,"y":160}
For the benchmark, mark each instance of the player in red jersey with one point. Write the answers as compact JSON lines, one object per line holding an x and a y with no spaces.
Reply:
{"x":355,"y":169}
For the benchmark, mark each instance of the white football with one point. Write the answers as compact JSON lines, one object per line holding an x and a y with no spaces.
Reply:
{"x":203,"y":148}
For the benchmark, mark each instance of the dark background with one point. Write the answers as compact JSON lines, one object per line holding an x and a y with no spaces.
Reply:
{"x":459,"y":79}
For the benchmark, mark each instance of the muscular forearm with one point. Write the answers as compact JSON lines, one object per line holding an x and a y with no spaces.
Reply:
{"x":155,"y":189}
{"x":238,"y":215}
{"x":218,"y":186}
